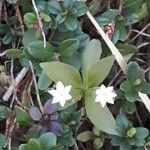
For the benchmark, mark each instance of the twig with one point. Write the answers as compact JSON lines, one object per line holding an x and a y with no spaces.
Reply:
{"x":36,"y":88}
{"x":75,"y":146}
{"x":138,"y":117}
{"x":120,"y":6}
{"x":143,"y":44}
{"x":18,"y":15}
{"x":144,"y":34}
{"x":18,"y":79}
{"x":140,"y":32}
{"x":40,"y":22}
{"x":116,"y":76}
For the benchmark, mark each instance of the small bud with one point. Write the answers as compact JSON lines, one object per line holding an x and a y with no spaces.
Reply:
{"x":131,"y":132}
{"x":137,"y":82}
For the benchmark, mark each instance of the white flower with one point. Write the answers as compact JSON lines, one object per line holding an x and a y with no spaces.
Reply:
{"x":105,"y":95}
{"x":61,"y":94}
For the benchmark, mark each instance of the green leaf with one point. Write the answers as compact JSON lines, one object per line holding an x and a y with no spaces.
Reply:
{"x":145,"y":88}
{"x":13,"y":53}
{"x":134,"y":71}
{"x":22,"y":116}
{"x":98,"y":143}
{"x":107,"y":17}
{"x":122,"y":125}
{"x":3,"y":111}
{"x":8,"y":38}
{"x":85,"y":136}
{"x":37,"y":50}
{"x":53,"y":7}
{"x":48,"y":141}
{"x":2,"y":141}
{"x":44,"y":81}
{"x":65,"y":73}
{"x":129,"y":107}
{"x":68,"y":3}
{"x":71,"y":22}
{"x":67,"y":138}
{"x":102,"y":118}
{"x":23,"y":147}
{"x":126,"y":86}
{"x":45,"y":16}
{"x":30,"y":36}
{"x":126,"y":49}
{"x":81,"y":8}
{"x":99,"y":71}
{"x":141,"y":133}
{"x":131,"y":19}
{"x":91,"y":55}
{"x":68,"y":47}
{"x":30,"y":19}
{"x":131,"y":96}
{"x":33,"y":144}
{"x":132,"y":6}
{"x":116,"y":36}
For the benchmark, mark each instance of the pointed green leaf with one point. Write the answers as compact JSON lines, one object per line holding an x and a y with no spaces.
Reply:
{"x":71,"y":23}
{"x":54,"y":7}
{"x":99,"y":71}
{"x":37,"y":50}
{"x":91,"y":55}
{"x":13,"y":53}
{"x":2,"y":141}
{"x":58,"y":71}
{"x":30,"y":36}
{"x":102,"y":118}
{"x":22,"y":116}
{"x":68,"y":47}
{"x":44,"y":81}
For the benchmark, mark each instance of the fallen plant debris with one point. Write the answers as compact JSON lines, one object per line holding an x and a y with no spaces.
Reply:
{"x":74,"y":74}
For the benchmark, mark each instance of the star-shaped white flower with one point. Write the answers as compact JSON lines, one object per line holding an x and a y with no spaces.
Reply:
{"x":61,"y":94}
{"x":105,"y":95}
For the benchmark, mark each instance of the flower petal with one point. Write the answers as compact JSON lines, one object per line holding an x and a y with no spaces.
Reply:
{"x":49,"y":107}
{"x":103,"y":103}
{"x":59,"y":87}
{"x":56,"y":100}
{"x":53,"y":92}
{"x":67,"y":96}
{"x":54,"y":116}
{"x":62,"y":102}
{"x":56,"y":128}
{"x":35,"y":113}
{"x":68,"y":88}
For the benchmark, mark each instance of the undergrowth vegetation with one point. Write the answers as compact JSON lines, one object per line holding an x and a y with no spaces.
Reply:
{"x":61,"y":87}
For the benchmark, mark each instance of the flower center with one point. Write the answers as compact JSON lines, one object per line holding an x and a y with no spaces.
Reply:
{"x":46,"y":117}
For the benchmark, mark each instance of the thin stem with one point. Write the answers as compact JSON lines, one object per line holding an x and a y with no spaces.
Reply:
{"x":36,"y":88}
{"x":147,"y":26}
{"x":40,"y":22}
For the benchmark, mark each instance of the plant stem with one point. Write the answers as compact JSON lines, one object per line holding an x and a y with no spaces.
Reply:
{"x":36,"y":88}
